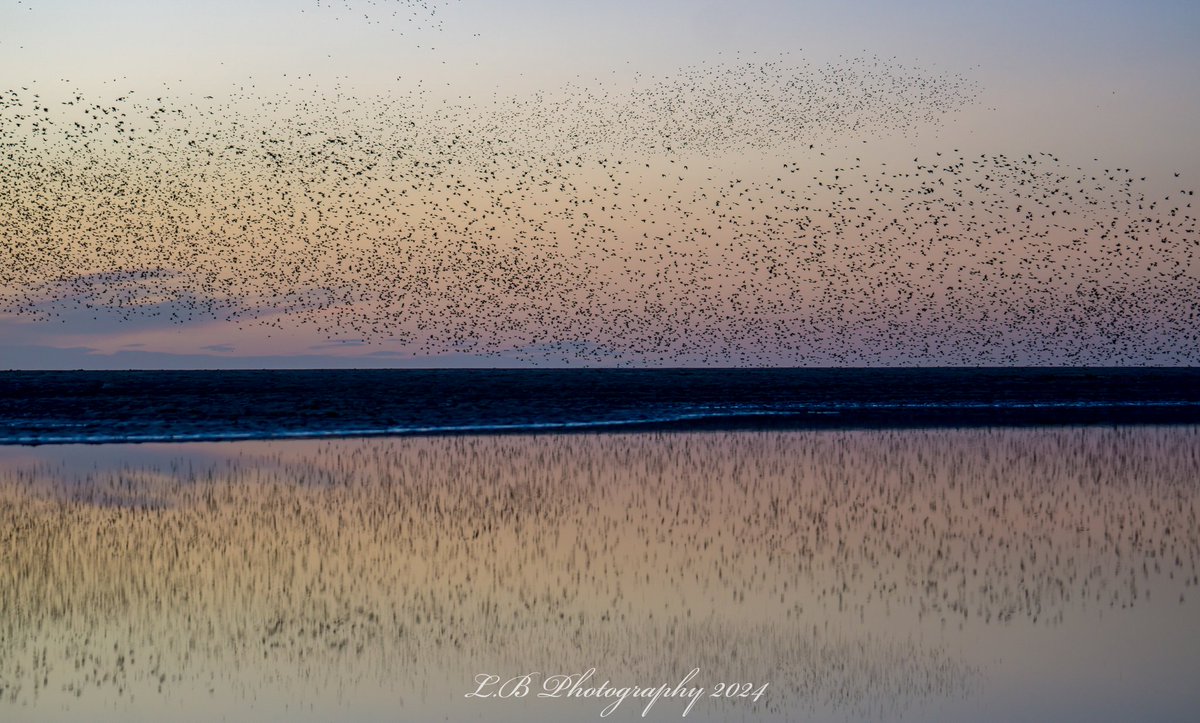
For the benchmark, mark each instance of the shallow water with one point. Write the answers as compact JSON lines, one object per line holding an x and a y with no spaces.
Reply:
{"x":975,"y":574}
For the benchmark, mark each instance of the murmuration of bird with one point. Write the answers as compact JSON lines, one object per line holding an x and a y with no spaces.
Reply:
{"x":596,"y":224}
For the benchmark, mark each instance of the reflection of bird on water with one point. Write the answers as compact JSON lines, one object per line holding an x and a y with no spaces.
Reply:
{"x":351,"y":557}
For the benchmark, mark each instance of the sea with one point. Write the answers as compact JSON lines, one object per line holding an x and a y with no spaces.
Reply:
{"x":64,"y":407}
{"x":600,"y":545}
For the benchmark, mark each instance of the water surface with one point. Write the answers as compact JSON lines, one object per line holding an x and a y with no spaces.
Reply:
{"x":920,"y":574}
{"x":159,"y":406}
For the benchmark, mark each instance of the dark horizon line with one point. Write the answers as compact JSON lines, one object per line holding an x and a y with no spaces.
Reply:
{"x":942,"y":367}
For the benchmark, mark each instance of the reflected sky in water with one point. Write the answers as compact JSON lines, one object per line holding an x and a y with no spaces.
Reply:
{"x":1004,"y":574}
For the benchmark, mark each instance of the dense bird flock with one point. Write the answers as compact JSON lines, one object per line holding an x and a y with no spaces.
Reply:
{"x":731,"y":213}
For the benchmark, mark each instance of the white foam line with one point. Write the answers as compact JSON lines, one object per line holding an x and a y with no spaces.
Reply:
{"x":543,"y":426}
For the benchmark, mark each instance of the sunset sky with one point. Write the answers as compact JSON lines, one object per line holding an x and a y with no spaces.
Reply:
{"x":581,"y":161}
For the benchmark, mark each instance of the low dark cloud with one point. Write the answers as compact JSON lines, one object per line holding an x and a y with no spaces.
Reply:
{"x":40,"y":356}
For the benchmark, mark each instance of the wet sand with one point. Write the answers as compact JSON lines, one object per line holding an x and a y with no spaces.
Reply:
{"x":985,"y":574}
